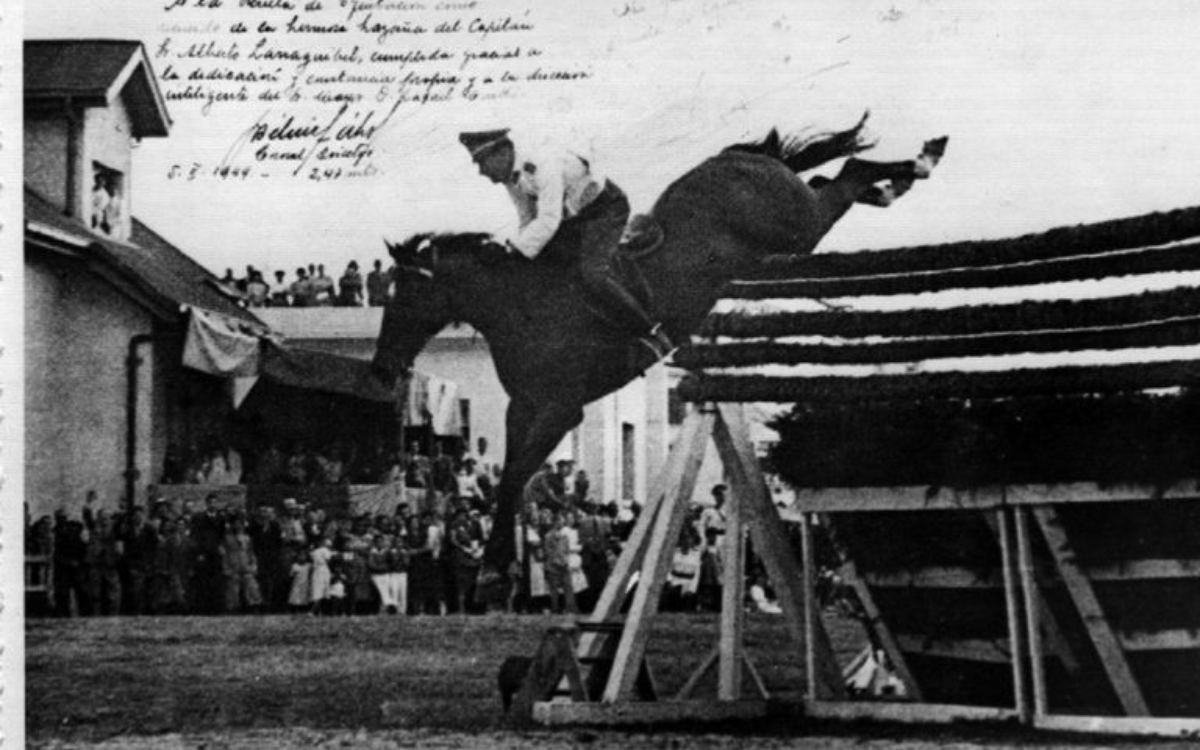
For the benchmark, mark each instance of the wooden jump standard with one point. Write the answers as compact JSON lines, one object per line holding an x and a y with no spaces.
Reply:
{"x":1061,"y":602}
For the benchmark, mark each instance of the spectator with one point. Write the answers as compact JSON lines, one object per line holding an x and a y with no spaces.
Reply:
{"x":380,"y":571}
{"x":170,"y":572}
{"x":541,"y":493}
{"x":351,"y":287}
{"x":302,"y":290}
{"x":70,"y":574}
{"x":322,"y":288}
{"x":257,"y":290}
{"x":300,"y":593}
{"x":355,"y":547}
{"x":466,"y":552}
{"x":397,"y":559}
{"x":141,"y":545}
{"x":266,"y":534}
{"x":280,"y":297}
{"x":239,"y":568}
{"x":684,"y":579}
{"x":207,"y":533}
{"x":558,"y":566}
{"x":105,"y":550}
{"x":377,"y":286}
{"x":466,"y":483}
{"x":322,"y":574}
{"x":426,"y":565}
{"x":595,"y":539}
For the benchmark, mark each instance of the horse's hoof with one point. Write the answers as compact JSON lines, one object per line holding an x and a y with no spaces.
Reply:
{"x":931,"y":154}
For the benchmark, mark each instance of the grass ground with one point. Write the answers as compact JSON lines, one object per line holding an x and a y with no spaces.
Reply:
{"x":281,"y":681}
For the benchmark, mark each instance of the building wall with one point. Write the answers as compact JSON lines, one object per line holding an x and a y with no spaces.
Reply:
{"x":461,"y":355}
{"x":46,"y":136}
{"x":77,"y":336}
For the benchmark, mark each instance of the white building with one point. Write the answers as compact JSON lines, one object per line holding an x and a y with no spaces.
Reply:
{"x":622,"y":442}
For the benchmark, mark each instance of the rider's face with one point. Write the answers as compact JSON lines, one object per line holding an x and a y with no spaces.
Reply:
{"x":497,"y":163}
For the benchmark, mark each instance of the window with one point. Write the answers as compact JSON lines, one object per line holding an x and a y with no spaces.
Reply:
{"x":107,"y":200}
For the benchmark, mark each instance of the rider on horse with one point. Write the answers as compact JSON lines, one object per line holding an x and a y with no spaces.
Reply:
{"x":556,"y":190}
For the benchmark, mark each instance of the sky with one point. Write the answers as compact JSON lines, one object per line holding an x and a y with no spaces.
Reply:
{"x":1057,"y":114}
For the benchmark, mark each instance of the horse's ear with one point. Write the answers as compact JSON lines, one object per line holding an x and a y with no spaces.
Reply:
{"x":771,"y":145}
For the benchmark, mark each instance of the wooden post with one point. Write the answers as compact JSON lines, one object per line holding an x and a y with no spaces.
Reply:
{"x":695,"y":428}
{"x":770,"y":542}
{"x":1108,"y":647}
{"x":733,"y":582}
{"x":1013,"y":617}
{"x":656,"y":564}
{"x":1037,"y":666}
{"x":811,"y":606}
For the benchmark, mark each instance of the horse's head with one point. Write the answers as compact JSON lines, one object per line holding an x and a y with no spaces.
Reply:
{"x":424,"y":302}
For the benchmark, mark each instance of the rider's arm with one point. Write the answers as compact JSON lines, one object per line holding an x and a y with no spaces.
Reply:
{"x":547,"y":177}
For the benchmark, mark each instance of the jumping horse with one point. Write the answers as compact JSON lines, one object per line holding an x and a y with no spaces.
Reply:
{"x":553,"y":353}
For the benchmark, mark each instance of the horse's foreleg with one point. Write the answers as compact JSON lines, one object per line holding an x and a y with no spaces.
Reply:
{"x":537,"y":430}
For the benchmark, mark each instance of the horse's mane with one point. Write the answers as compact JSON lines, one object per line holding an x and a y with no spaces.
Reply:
{"x":803,"y":152}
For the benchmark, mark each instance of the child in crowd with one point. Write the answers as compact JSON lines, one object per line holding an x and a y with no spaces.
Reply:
{"x":322,"y":577}
{"x":300,"y":595}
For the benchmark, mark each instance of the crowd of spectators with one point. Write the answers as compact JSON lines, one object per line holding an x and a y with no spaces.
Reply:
{"x":212,"y":558}
{"x":312,"y":287}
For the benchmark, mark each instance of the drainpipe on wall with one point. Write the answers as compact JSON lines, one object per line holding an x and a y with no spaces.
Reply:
{"x":132,"y":362}
{"x":71,"y":206}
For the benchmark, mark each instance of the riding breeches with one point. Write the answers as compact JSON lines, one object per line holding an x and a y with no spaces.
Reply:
{"x":600,"y":225}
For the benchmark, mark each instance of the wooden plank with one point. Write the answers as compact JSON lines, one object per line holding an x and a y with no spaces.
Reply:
{"x":660,"y":551}
{"x":1144,"y":570}
{"x":925,"y":498}
{"x":875,"y":619}
{"x":934,"y":577}
{"x":1090,"y":492}
{"x":696,"y":426}
{"x":755,"y":677}
{"x":656,"y":712}
{"x":1034,"y":606}
{"x":733,"y":592}
{"x":1149,"y":727}
{"x":904,"y":498}
{"x":1112,"y":657}
{"x":967,"y":649}
{"x":1012,"y":613}
{"x":1055,"y":642}
{"x":770,"y":542}
{"x":812,"y":611}
{"x":1174,"y":639}
{"x":909,"y":713}
{"x":693,"y":680}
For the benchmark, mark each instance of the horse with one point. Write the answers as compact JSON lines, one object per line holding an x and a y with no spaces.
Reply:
{"x":553,"y":353}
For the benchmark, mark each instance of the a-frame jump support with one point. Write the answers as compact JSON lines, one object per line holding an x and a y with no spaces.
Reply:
{"x":649,"y":552}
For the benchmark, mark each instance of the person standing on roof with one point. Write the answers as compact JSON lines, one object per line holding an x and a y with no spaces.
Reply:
{"x":553,"y":190}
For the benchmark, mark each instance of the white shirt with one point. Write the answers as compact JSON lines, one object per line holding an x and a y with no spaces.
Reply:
{"x":550,"y":183}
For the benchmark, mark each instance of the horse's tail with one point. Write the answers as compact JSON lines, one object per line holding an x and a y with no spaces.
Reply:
{"x":802,"y":153}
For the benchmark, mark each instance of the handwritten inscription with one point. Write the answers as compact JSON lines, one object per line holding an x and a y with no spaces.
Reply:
{"x":318,"y":81}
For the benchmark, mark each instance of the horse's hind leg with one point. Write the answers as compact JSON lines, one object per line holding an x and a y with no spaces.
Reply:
{"x":857,"y":182}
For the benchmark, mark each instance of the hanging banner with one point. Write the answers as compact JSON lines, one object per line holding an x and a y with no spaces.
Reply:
{"x":220,"y":346}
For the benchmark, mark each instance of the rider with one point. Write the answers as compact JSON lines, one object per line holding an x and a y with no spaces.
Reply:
{"x":554,"y":190}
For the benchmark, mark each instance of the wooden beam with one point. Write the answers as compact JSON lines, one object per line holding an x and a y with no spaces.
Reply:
{"x":657,"y":712}
{"x":1187,"y":729}
{"x":697,"y":426}
{"x":733,"y":594}
{"x":875,"y":619}
{"x":1034,"y":606}
{"x":732,"y":437}
{"x":1174,"y":639}
{"x":812,"y":612}
{"x":656,"y":564}
{"x":903,"y":498}
{"x":1012,"y":611}
{"x":1144,"y":570}
{"x":904,"y":712}
{"x":693,"y":680}
{"x":1090,"y":492}
{"x":1112,"y":657}
{"x":755,"y":677}
{"x":967,"y":649}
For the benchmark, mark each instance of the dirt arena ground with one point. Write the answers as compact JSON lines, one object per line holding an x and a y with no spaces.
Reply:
{"x":371,"y":682}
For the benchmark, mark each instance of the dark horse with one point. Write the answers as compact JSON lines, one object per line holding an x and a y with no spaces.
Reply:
{"x":553,"y":353}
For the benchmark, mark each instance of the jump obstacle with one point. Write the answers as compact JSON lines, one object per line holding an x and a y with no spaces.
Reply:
{"x":1004,"y":578}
